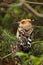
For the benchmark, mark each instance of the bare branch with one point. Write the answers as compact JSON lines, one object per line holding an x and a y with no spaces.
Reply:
{"x":6,"y":56}
{"x":21,"y":2}
{"x":37,"y":3}
{"x":33,"y":11}
{"x":3,"y":5}
{"x":14,"y":53}
{"x":12,"y":5}
{"x":17,"y":5}
{"x":37,"y":42}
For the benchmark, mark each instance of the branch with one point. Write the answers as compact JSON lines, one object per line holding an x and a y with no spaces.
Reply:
{"x":38,"y":26}
{"x":37,"y":3}
{"x":33,"y":11}
{"x":12,"y":5}
{"x":37,"y":42}
{"x":6,"y":56}
{"x":21,"y":2}
{"x":17,"y":5}
{"x":14,"y":53}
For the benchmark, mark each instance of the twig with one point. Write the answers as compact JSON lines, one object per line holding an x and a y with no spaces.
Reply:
{"x":37,"y":26}
{"x":21,"y":2}
{"x":37,"y":42}
{"x":37,"y":3}
{"x":11,"y":53}
{"x":12,"y":5}
{"x":33,"y":11}
{"x":6,"y":56}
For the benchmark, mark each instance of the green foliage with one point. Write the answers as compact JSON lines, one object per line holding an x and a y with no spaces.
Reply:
{"x":29,"y":15}
{"x":21,"y":54}
{"x":36,"y":60}
{"x":35,"y":57}
{"x":8,"y":20}
{"x":4,"y":49}
{"x":25,"y":57}
{"x":17,"y":11}
{"x":8,"y":36}
{"x":29,"y":59}
{"x":0,"y":17}
{"x":7,"y":39}
{"x":1,"y":28}
{"x":37,"y":49}
{"x":38,"y":35}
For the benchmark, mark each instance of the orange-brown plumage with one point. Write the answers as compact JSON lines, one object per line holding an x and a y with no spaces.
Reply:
{"x":25,"y":23}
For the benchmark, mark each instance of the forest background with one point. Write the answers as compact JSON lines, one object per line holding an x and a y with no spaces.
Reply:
{"x":12,"y":11}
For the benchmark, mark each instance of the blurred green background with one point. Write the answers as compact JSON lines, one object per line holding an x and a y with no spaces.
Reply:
{"x":8,"y":28}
